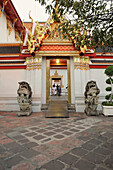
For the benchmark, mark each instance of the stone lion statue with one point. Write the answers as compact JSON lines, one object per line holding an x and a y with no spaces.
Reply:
{"x":91,"y":98}
{"x":24,"y":98}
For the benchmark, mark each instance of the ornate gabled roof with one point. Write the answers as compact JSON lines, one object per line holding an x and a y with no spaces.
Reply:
{"x":48,"y":32}
{"x":55,"y":34}
{"x":12,"y":14}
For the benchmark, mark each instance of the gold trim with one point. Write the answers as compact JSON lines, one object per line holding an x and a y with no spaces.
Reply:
{"x":9,"y":25}
{"x":81,"y":63}
{"x":0,"y":13}
{"x":53,"y":41}
{"x":10,"y":44}
{"x":57,"y":43}
{"x":2,"y":7}
{"x":17,"y":36}
{"x":57,"y":53}
{"x":33,"y":63}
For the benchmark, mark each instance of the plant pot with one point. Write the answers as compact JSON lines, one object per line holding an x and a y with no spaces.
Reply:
{"x":107,"y":110}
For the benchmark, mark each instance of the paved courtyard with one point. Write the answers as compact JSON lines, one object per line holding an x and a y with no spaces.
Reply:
{"x":38,"y":143}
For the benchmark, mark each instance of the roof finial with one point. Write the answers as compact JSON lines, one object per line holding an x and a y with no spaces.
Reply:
{"x":30,"y":16}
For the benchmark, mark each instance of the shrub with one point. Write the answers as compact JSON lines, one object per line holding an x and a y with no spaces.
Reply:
{"x":109,"y":97}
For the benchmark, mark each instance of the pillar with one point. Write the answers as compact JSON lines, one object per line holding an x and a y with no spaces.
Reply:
{"x":43,"y":81}
{"x":47,"y":81}
{"x":72,"y":84}
{"x":69,"y":80}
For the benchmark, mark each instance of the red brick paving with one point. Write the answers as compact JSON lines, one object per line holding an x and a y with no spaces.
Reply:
{"x":24,"y":166}
{"x":45,"y":139}
{"x":5,"y":139}
{"x":41,"y":159}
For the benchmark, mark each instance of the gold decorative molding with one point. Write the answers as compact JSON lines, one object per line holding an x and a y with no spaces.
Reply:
{"x":30,"y":17}
{"x":81,"y":63}
{"x":14,"y":22}
{"x":0,"y":13}
{"x":17,"y":36}
{"x":55,"y":34}
{"x":57,"y":53}
{"x":33,"y":63}
{"x":56,"y":75}
{"x":1,"y":10}
{"x":9,"y":25}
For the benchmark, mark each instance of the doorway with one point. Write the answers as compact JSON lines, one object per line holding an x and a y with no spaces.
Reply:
{"x":60,"y":76}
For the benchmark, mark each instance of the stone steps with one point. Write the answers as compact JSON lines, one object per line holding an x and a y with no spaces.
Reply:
{"x":57,"y":109}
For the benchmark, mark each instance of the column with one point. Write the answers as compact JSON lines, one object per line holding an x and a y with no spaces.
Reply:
{"x":72,"y":80}
{"x":28,"y":73}
{"x":38,"y":75}
{"x":32,"y":81}
{"x":37,"y":89}
{"x":47,"y":81}
{"x":43,"y":81}
{"x":69,"y":80}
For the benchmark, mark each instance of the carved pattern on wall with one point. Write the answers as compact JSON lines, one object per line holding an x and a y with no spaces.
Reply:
{"x":81,"y":63}
{"x":33,"y":63}
{"x":56,"y":75}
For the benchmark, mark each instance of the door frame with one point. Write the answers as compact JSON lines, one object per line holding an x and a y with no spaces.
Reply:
{"x":48,"y":83}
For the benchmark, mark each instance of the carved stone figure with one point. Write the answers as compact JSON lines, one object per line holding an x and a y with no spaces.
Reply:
{"x":91,"y":98}
{"x":24,"y":98}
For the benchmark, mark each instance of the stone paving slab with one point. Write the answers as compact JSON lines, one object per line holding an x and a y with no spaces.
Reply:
{"x":35,"y":142}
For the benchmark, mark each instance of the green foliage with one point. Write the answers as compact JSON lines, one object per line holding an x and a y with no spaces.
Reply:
{"x":109,"y":71}
{"x":92,"y":15}
{"x":108,"y":81}
{"x":107,"y":104}
{"x":107,"y":97}
{"x":108,"y":88}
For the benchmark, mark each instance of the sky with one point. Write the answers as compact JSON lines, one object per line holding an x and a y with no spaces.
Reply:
{"x":37,"y":11}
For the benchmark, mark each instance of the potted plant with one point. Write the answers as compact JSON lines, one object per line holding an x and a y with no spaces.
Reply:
{"x":108,"y":104}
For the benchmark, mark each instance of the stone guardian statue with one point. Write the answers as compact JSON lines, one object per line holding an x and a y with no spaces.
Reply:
{"x":24,"y":98}
{"x":91,"y":98}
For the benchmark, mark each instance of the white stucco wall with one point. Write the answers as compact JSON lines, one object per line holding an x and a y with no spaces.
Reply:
{"x":99,"y":76}
{"x":81,"y":79}
{"x":33,"y":77}
{"x":9,"y":81}
{"x":9,"y":85}
{"x":8,"y":88}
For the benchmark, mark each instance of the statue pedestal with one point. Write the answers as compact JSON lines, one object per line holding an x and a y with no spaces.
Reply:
{"x":23,"y":113}
{"x":92,"y":113}
{"x":25,"y":109}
